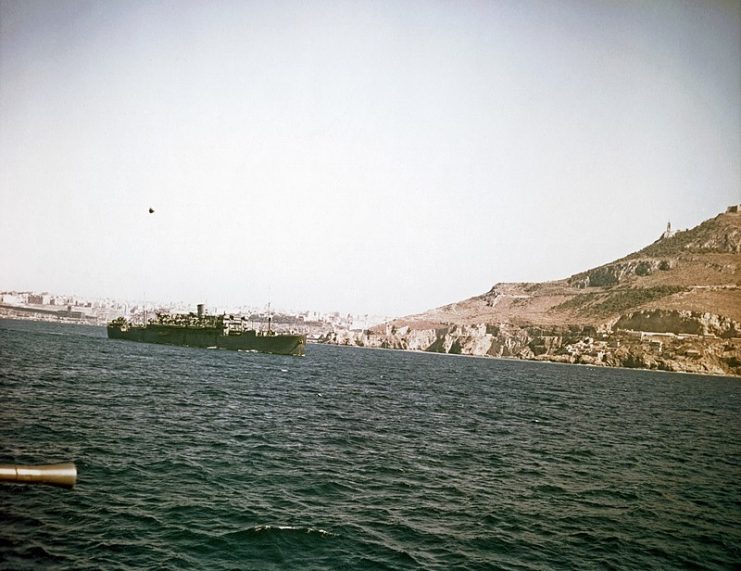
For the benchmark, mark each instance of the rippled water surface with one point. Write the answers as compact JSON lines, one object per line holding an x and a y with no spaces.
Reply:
{"x":359,"y":459}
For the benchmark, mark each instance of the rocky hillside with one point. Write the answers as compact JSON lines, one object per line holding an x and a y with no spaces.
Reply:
{"x":674,"y":305}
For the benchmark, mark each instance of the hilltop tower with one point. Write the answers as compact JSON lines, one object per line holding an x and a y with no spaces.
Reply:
{"x":668,"y":233}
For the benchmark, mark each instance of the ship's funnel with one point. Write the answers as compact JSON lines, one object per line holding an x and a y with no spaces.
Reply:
{"x":63,"y":475}
{"x":199,"y":310}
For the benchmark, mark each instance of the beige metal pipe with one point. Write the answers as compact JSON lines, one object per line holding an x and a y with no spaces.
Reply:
{"x":63,"y":475}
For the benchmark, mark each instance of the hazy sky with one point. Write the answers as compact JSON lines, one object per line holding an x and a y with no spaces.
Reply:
{"x":370,"y":157}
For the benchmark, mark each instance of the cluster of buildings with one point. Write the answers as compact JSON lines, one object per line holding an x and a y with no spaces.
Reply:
{"x":47,"y":306}
{"x":51,"y":307}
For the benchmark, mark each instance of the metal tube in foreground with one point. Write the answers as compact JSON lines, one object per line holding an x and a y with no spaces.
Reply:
{"x":62,"y":475}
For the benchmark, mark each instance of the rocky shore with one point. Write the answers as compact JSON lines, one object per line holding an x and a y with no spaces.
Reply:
{"x":682,"y":352}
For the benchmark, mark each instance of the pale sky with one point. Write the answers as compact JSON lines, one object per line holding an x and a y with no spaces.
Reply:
{"x":366,"y":157}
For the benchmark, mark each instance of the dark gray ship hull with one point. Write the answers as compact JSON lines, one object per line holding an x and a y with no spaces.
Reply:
{"x":207,"y":337}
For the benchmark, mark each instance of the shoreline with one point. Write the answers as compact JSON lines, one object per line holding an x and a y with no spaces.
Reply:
{"x":541,"y":361}
{"x":74,"y":321}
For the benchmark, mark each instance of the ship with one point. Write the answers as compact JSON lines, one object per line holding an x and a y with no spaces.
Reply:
{"x":207,"y":331}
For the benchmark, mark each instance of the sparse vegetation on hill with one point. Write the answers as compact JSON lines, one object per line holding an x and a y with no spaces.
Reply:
{"x":606,"y":303}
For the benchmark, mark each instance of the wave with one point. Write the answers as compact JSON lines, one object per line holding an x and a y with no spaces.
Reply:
{"x":286,"y":529}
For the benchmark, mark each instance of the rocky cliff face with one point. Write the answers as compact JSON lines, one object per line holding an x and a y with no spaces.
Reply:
{"x":704,"y":353}
{"x":675,"y":305}
{"x":679,"y":322}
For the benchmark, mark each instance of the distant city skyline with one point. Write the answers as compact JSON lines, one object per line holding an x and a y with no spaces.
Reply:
{"x":366,"y":157}
{"x":10,"y":296}
{"x":71,"y":308}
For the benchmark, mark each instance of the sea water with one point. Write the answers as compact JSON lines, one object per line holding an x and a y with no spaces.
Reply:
{"x":359,"y":459}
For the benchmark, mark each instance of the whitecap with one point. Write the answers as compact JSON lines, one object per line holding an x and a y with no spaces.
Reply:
{"x":302,"y":529}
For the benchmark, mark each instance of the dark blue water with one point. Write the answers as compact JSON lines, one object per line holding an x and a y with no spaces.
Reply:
{"x":359,"y":459}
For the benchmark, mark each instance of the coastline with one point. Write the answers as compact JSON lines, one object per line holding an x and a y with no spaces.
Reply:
{"x":540,"y":359}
